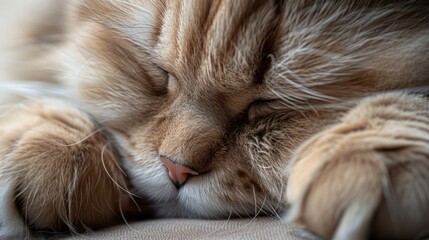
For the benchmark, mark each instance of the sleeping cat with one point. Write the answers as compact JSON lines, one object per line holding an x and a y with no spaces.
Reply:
{"x":218,"y":109}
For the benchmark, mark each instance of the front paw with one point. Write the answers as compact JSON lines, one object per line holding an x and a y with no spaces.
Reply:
{"x":366,"y":176}
{"x":60,"y":169}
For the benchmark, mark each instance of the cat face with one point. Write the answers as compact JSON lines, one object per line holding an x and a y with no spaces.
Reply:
{"x":191,"y":89}
{"x":220,"y":87}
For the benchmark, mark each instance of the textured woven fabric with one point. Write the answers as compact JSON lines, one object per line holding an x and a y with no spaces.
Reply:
{"x":259,"y":228}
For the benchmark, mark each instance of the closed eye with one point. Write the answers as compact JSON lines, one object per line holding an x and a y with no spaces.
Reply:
{"x":158,"y":79}
{"x":170,"y":83}
{"x":261,"y":102}
{"x":261,"y":107}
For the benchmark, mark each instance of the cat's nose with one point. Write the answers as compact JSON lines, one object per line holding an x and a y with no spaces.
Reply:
{"x":178,"y":173}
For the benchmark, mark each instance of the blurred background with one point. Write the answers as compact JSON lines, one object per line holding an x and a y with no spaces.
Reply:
{"x":27,"y":28}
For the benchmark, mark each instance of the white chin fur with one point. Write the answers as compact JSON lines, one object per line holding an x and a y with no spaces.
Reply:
{"x":194,"y":199}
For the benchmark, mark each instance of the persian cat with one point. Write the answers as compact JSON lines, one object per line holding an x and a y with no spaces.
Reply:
{"x":217,"y":109}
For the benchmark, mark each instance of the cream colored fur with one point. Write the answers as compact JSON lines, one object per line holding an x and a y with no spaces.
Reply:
{"x":319,"y":109}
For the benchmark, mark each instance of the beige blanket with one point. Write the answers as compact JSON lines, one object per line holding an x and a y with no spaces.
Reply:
{"x":257,"y":228}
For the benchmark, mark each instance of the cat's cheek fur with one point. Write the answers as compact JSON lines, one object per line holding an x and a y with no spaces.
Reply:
{"x":371,"y":168}
{"x":106,"y":81}
{"x":83,"y":73}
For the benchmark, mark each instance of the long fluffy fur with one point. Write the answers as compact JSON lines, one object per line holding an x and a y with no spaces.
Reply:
{"x":253,"y":95}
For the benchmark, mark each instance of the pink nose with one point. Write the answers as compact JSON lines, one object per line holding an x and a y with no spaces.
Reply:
{"x":178,"y":173}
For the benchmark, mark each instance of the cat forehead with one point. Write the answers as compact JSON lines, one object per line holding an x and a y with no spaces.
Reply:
{"x":204,"y":37}
{"x":220,"y":21}
{"x":221,"y":37}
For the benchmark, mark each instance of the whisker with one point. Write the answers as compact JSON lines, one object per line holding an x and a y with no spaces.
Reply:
{"x":82,"y":140}
{"x":108,"y":173}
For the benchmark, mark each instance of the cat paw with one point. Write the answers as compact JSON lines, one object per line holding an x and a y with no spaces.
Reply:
{"x":58,"y":171}
{"x":366,"y":176}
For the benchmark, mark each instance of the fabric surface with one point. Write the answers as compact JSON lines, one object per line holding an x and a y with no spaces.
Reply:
{"x":258,"y":228}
